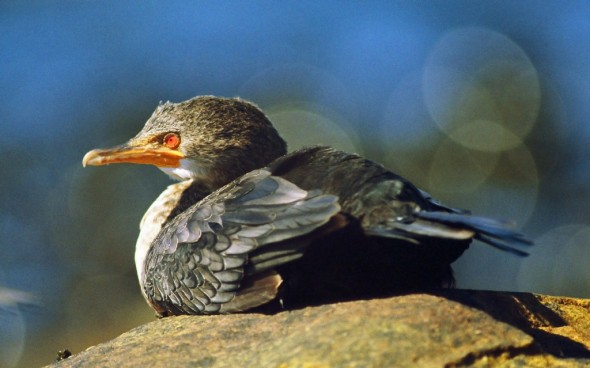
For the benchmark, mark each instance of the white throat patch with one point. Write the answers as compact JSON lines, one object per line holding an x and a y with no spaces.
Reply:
{"x":188,"y":169}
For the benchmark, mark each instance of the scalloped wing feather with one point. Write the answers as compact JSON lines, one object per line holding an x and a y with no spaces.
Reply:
{"x":197,"y":263}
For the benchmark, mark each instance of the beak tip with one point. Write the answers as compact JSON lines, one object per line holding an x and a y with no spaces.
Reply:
{"x":88,"y":158}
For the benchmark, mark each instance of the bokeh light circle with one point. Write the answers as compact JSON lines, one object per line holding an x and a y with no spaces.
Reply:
{"x":304,"y":126}
{"x":307,"y":105}
{"x":455,"y":168}
{"x":481,"y":89}
{"x":503,"y":185}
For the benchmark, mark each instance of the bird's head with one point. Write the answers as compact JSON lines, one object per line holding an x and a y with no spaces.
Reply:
{"x":211,"y":139}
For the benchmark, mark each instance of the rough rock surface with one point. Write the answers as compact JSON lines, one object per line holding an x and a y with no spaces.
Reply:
{"x":449,"y":328}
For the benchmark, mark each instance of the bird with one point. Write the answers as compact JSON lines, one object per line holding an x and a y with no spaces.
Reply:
{"x":251,"y":227}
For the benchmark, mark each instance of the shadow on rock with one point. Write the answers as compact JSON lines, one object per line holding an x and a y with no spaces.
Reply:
{"x":558,"y":325}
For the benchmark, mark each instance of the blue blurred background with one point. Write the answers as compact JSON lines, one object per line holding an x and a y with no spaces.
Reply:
{"x":483,"y":104}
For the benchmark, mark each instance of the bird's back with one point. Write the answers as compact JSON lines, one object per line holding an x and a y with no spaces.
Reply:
{"x":371,"y":256}
{"x":361,"y":185}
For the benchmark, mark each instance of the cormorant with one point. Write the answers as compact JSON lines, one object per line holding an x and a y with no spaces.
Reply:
{"x":250,"y":225}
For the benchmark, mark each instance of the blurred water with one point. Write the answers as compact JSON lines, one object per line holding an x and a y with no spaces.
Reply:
{"x":484,"y":104}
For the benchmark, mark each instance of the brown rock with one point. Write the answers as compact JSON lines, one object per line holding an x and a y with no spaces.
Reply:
{"x":450,"y":328}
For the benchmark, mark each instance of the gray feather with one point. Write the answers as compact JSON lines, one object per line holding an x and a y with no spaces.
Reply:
{"x":202,"y":253}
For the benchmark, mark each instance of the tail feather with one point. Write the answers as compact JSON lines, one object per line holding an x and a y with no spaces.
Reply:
{"x":498,"y":234}
{"x":498,"y":243}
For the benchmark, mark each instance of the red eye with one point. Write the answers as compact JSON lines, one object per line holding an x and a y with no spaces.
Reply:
{"x":172,"y":140}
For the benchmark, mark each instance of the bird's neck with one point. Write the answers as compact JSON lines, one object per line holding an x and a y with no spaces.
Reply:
{"x":209,"y":176}
{"x":154,"y":220}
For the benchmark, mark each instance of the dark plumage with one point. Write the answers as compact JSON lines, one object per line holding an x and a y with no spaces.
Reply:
{"x":251,"y":226}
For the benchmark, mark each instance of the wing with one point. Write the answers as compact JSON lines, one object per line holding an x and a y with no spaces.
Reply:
{"x":198,"y":262}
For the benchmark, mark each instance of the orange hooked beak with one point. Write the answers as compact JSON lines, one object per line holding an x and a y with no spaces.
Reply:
{"x":149,"y":154}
